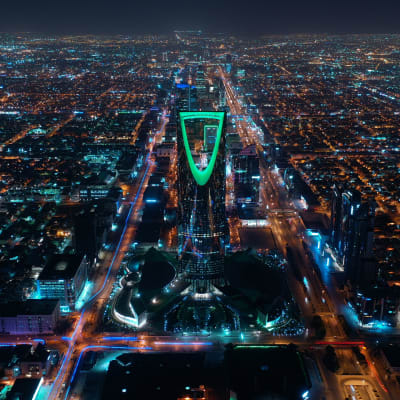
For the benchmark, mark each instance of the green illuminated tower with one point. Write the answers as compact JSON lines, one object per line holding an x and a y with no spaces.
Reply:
{"x":202,"y":227}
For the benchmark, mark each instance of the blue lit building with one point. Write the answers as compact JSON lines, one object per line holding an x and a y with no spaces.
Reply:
{"x":64,"y":278}
{"x":376,"y":307}
{"x":352,"y":224}
{"x":33,"y":316}
{"x":336,"y":211}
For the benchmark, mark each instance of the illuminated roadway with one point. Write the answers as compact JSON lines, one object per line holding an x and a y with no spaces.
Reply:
{"x":80,"y":341}
{"x":311,"y":295}
{"x":103,"y":287}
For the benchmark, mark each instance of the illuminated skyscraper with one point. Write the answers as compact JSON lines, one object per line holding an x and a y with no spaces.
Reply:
{"x":202,"y":228}
{"x":352,"y":224}
{"x":247,"y":176}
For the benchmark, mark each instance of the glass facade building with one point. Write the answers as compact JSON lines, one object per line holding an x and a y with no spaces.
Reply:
{"x":247,"y":176}
{"x":64,"y":278}
{"x":352,"y":225}
{"x":202,"y":226}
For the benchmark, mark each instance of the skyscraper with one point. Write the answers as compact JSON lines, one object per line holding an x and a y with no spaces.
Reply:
{"x":247,"y":176}
{"x":336,"y":210}
{"x":186,"y":97}
{"x":202,"y":227}
{"x":352,"y":224}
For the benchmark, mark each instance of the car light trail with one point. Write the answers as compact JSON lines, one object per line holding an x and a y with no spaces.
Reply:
{"x":18,"y":343}
{"x":183,"y":343}
{"x":127,"y":338}
{"x":373,"y":369}
{"x":345,"y":343}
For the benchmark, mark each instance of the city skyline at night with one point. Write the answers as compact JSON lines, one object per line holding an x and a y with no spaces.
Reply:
{"x":200,"y":215}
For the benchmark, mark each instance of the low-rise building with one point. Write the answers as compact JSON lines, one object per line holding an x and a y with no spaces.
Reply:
{"x":26,"y":361}
{"x":166,"y":150}
{"x":24,"y":388}
{"x":29,"y":317}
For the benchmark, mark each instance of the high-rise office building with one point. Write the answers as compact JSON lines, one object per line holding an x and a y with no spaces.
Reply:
{"x":85,"y":234}
{"x":220,"y":87}
{"x":200,"y":81}
{"x":247,"y":175}
{"x":186,"y":97}
{"x":352,"y":224}
{"x":202,"y":227}
{"x":336,"y":210}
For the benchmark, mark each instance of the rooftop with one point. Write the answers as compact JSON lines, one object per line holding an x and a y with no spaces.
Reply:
{"x":28,"y":307}
{"x":61,"y":266}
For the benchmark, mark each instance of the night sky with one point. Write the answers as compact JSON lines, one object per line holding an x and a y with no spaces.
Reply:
{"x":246,"y":17}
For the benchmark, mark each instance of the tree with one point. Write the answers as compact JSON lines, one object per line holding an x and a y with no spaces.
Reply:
{"x":319,"y":328}
{"x":330,"y":359}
